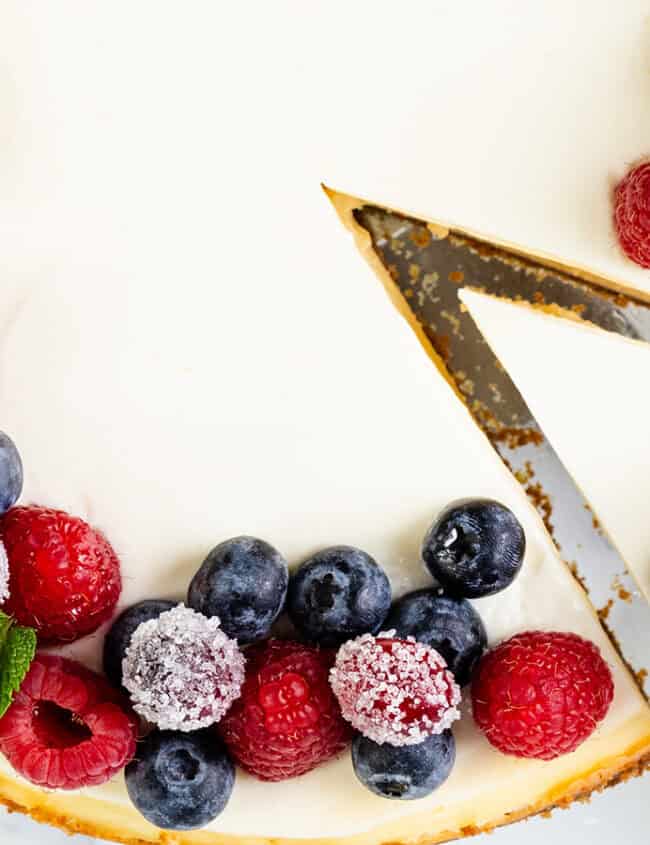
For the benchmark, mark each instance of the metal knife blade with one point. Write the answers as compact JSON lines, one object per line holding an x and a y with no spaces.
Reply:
{"x":429,"y":266}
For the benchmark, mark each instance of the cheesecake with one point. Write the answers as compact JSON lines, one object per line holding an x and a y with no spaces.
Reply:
{"x":585,"y":394}
{"x":192,"y":348}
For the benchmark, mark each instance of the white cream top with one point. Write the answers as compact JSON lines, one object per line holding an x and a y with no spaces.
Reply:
{"x":190,"y":346}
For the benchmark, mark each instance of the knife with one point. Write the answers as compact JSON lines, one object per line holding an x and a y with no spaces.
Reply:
{"x":429,"y":263}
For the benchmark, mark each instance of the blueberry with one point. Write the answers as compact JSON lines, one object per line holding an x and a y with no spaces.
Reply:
{"x":449,"y":625}
{"x":11,"y":473}
{"x":118,"y":638}
{"x":407,"y":772}
{"x":475,"y":548}
{"x":180,"y":781}
{"x":244,"y":582}
{"x":337,"y":594}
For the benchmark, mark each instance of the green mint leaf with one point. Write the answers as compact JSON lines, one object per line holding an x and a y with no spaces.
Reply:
{"x":5,"y":624}
{"x":17,"y":650}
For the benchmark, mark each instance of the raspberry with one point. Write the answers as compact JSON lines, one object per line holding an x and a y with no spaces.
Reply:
{"x":632,"y":214}
{"x":4,"y":573}
{"x":67,"y":728}
{"x":182,"y":671}
{"x":287,"y":720}
{"x":64,"y":576}
{"x":541,"y":694}
{"x":394,"y":691}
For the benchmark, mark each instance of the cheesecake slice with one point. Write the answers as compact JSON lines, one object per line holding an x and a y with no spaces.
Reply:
{"x":586,"y":388}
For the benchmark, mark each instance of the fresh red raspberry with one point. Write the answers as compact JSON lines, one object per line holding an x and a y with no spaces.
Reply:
{"x":632,"y":214}
{"x":394,"y":691}
{"x":64,"y":576}
{"x":66,"y":727}
{"x":541,"y":694}
{"x":287,"y":720}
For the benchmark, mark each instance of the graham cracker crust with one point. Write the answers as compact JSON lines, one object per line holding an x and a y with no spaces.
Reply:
{"x":578,"y":790}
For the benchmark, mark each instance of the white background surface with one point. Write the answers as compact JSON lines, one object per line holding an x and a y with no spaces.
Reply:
{"x":618,"y":815}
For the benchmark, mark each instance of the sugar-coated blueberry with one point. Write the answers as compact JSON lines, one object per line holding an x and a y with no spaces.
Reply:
{"x":180,"y":781}
{"x":244,"y":582}
{"x":449,"y":625}
{"x":407,"y":772}
{"x":118,"y":638}
{"x":474,"y":548}
{"x":339,"y":593}
{"x":11,"y":473}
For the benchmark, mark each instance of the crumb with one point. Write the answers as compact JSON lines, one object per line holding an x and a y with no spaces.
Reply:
{"x":603,"y":612}
{"x":420,"y":236}
{"x":573,"y":568}
{"x":542,"y":503}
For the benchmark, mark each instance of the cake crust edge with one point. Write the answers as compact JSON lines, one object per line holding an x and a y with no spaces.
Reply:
{"x":20,"y":798}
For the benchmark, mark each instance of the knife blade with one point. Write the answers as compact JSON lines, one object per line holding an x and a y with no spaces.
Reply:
{"x":429,"y":264}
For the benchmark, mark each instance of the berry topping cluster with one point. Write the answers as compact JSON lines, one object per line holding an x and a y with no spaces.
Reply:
{"x":11,"y":473}
{"x":541,"y":694}
{"x":244,"y":582}
{"x":287,"y":720}
{"x":4,"y":574}
{"x":404,"y":773}
{"x":118,"y":639}
{"x":214,"y":688}
{"x":632,"y":214}
{"x":180,"y":781}
{"x":182,"y":671}
{"x":64,"y":576}
{"x":338,"y":594}
{"x":449,"y":625}
{"x":394,"y":691}
{"x":475,"y":548}
{"x":67,"y":727}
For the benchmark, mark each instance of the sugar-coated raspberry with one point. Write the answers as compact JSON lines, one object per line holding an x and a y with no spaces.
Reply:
{"x":541,"y":694}
{"x":67,"y":728}
{"x":394,"y":691}
{"x":632,"y":214}
{"x":182,"y":671}
{"x":287,"y":720}
{"x":64,"y":576}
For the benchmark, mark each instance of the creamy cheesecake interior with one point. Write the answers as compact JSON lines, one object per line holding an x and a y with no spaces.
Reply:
{"x":191,"y":348}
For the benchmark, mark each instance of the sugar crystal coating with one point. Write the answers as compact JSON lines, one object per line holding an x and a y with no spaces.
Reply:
{"x":394,"y":691}
{"x":4,"y":573}
{"x":181,"y":670}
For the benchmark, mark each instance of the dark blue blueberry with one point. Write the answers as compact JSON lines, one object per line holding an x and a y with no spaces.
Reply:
{"x":337,"y":594}
{"x":11,"y":473}
{"x":405,"y":773}
{"x":118,"y":638}
{"x":475,"y":548}
{"x":180,"y":781}
{"x":244,"y":582}
{"x":449,"y":625}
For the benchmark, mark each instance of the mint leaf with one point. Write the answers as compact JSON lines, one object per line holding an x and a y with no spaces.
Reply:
{"x":17,"y":650}
{"x":5,"y":624}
